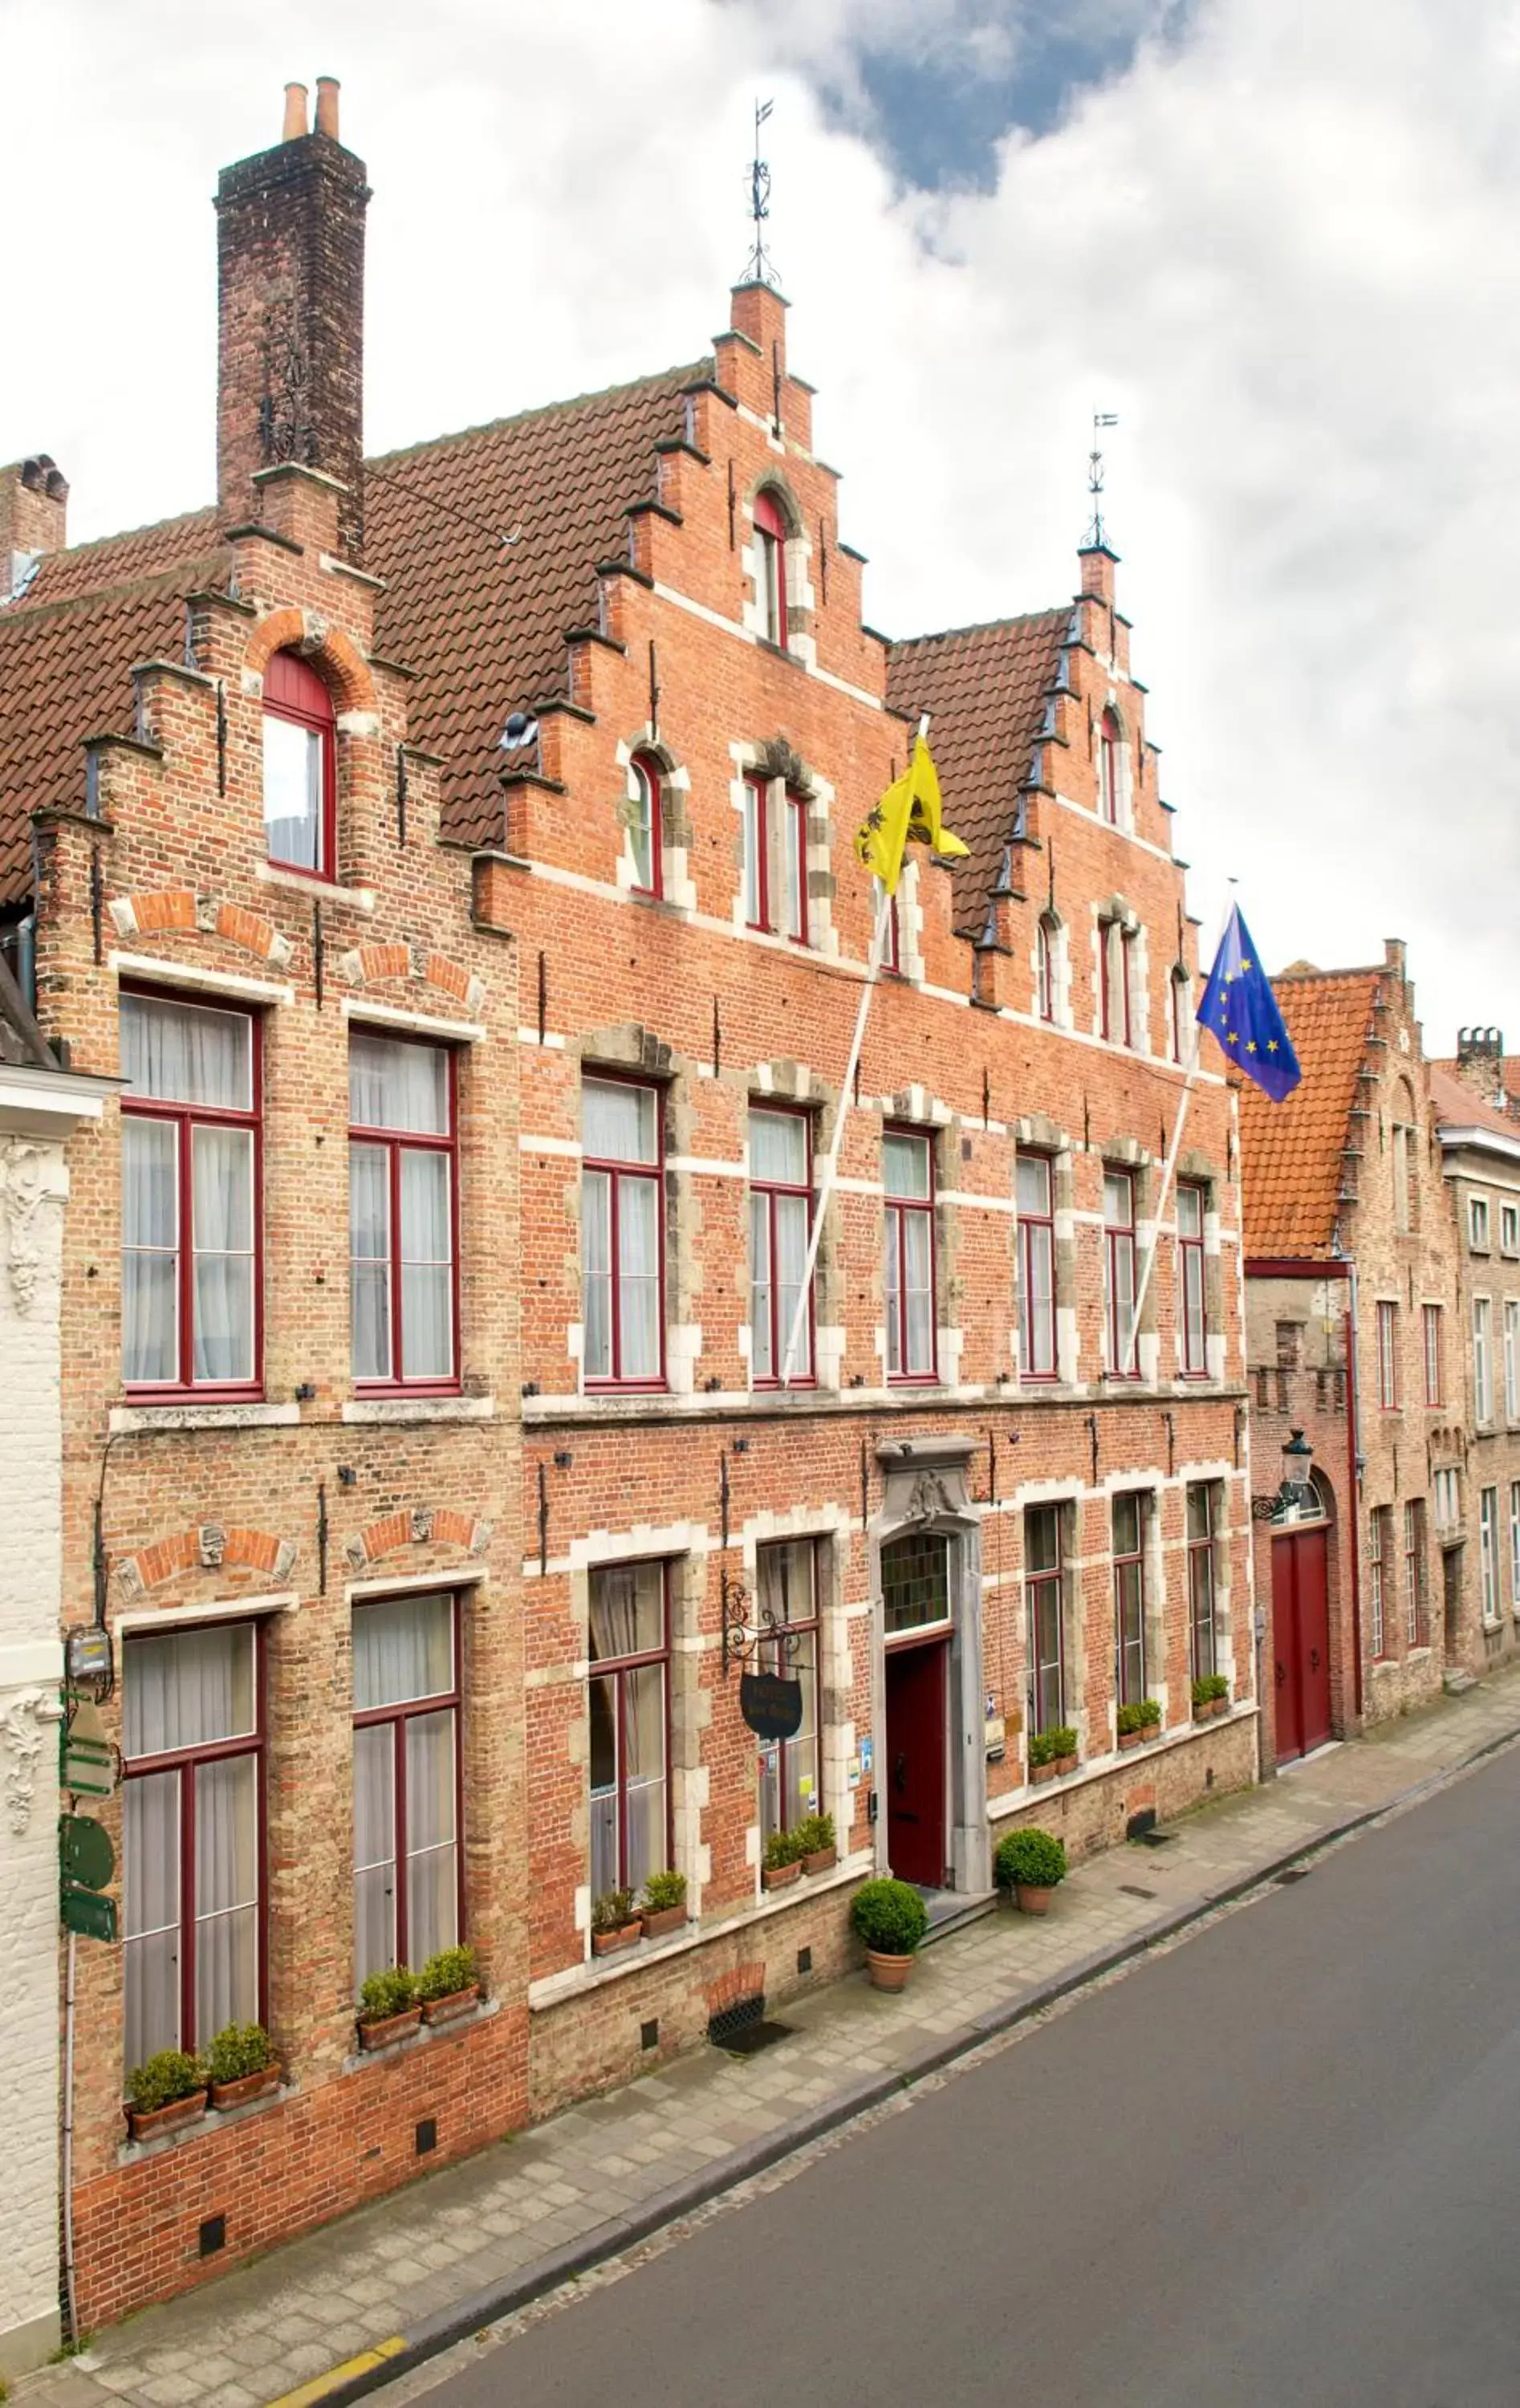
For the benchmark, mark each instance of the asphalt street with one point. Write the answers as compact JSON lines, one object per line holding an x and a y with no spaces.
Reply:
{"x":1280,"y":2164}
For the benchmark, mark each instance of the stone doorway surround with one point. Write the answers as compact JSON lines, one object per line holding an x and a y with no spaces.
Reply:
{"x":925,"y":1488}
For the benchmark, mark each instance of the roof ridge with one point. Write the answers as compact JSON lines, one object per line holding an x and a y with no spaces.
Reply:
{"x":129,"y":535}
{"x":539,"y":410}
{"x":1357,"y":970}
{"x":983,"y":626}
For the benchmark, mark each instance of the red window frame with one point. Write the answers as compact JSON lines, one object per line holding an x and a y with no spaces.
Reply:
{"x":775,"y":1655}
{"x":757,"y":791}
{"x":618,"y":1172}
{"x":1387,"y":1357}
{"x":615,"y":1668}
{"x":396,"y":1142}
{"x":1044,"y":969}
{"x":1203,"y":1630}
{"x":1109,"y":784}
{"x":651,"y":778}
{"x":770,"y":546}
{"x":1416,"y":1594}
{"x":1118,"y":1239}
{"x":1115,"y":963}
{"x":1130,"y":1602}
{"x":1434,"y":1351}
{"x":1376,"y":1603}
{"x":1042,"y":1588}
{"x":1190,"y":1279}
{"x":1037,"y":1360}
{"x":186,"y":1116}
{"x":894,"y":1209}
{"x":366,"y":1718}
{"x":769,"y":1189}
{"x":184,"y":1761}
{"x":293,"y":690}
{"x":794,"y":806}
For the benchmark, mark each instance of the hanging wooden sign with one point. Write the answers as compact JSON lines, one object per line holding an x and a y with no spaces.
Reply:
{"x":771,"y":1704}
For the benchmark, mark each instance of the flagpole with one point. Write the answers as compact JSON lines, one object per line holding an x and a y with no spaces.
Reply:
{"x":1168,"y":1169}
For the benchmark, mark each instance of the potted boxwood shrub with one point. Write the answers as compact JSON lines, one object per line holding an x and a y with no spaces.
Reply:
{"x":242,"y":2065}
{"x":1149,"y":1710}
{"x":1218,"y":1688}
{"x":1041,"y":1756}
{"x":164,"y":2094}
{"x":389,"y":2006}
{"x":448,"y":1984}
{"x":614,"y":1923}
{"x":815,"y":1835}
{"x":1128,"y":1720}
{"x":1064,"y":1741}
{"x":1031,"y":1863}
{"x":890,"y":1918}
{"x":665,"y":1904}
{"x":783,"y":1860}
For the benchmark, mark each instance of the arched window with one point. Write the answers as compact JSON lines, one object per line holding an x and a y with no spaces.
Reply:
{"x":1046,"y":940}
{"x":1111,"y":768}
{"x":771,"y":567}
{"x":298,"y":781}
{"x":647,"y":833}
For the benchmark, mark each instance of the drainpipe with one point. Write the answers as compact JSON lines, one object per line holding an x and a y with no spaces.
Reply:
{"x":1353,"y":1463}
{"x":68,"y":2146}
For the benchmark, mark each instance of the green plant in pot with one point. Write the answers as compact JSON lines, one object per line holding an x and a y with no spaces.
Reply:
{"x":815,"y":1837}
{"x":1041,"y":1755}
{"x":1032,"y":1864}
{"x":1149,"y":1710}
{"x":890,"y":1919}
{"x":614,"y":1922}
{"x":243,"y":2065}
{"x":165,"y":2092}
{"x":1128,"y":1724}
{"x":1064,"y":1741}
{"x":782,"y":1863}
{"x":449,"y":1983}
{"x":389,"y":2006}
{"x":664,"y":1905}
{"x":1218,"y":1689}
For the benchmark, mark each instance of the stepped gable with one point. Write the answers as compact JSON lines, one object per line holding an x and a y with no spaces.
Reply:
{"x":1291,"y":1152}
{"x":984,"y":688}
{"x":482,"y":621}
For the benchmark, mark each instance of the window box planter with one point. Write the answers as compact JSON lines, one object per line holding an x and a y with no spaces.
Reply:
{"x":386,"y":2030}
{"x":247,"y":2088}
{"x":449,"y":2010}
{"x":610,"y":1944}
{"x":782,"y":1876}
{"x":657,"y":1923}
{"x":823,"y":1860}
{"x":1130,"y":1739}
{"x":152,"y":2123}
{"x":1064,"y":1764}
{"x":1039,"y":1772}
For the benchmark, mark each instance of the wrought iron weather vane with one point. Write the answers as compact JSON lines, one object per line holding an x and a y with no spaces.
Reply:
{"x":1097,"y":533}
{"x":761,"y":267}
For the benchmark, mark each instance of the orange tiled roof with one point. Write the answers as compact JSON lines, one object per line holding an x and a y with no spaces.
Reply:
{"x":1290,"y":1153}
{"x":984,"y":688}
{"x":1459,"y":1106}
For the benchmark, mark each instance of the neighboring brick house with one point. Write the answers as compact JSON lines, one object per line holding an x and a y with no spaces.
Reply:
{"x":1477,"y":1498}
{"x":581,"y":934}
{"x":1354,"y":1338}
{"x":42,"y":1102}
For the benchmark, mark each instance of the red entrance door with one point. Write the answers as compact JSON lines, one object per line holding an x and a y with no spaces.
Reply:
{"x":1301,"y":1641}
{"x":914,"y":1771}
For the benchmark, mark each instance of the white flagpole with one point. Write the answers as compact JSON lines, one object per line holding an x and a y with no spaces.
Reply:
{"x":1168,"y":1169}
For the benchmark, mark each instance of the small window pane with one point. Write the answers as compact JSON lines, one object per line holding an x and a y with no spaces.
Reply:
{"x":150,"y":1915}
{"x":905,"y":1166}
{"x":779,"y":1148}
{"x":596,"y":1273}
{"x":222,"y":1167}
{"x":187,"y":1053}
{"x":1127,"y":1526}
{"x":639,"y":1278}
{"x":1034,"y":1184}
{"x":374,"y":1847}
{"x":396,"y":1085}
{"x":642,"y":833}
{"x":618,"y":1121}
{"x":1189,"y":1213}
{"x":1197,"y":1512}
{"x":403,"y":1648}
{"x":188,"y":1688}
{"x":293,"y":793}
{"x":915,"y":1581}
{"x":426,"y":1266}
{"x":1041,"y":1538}
{"x":627,"y":1610}
{"x":227,"y":1895}
{"x":1118,"y":1205}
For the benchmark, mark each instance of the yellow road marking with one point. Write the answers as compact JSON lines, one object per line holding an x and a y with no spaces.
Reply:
{"x":308,"y":2394}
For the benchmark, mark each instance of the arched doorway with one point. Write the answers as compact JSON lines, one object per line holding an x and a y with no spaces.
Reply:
{"x":1302,"y":1629}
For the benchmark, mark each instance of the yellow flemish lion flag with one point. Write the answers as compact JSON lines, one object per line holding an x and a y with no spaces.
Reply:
{"x":911,"y":811}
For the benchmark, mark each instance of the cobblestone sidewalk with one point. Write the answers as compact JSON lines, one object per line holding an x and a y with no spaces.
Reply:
{"x":398,"y":2280}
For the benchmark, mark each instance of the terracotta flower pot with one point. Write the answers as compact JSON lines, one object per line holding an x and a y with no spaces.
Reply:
{"x":1064,"y":1764}
{"x":662,"y":1920}
{"x":150,"y":2124}
{"x":247,"y":2088}
{"x":1129,"y":1738}
{"x":782,"y":1876}
{"x":1149,"y":1731}
{"x":1221,"y":1705}
{"x":888,"y":1972}
{"x":445,"y":2010}
{"x":1039,"y":1772}
{"x":390,"y":2028}
{"x":823,"y":1860}
{"x":1033,"y":1900}
{"x":607,"y":1944}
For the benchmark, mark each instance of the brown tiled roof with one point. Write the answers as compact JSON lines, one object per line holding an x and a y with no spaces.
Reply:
{"x":1459,"y":1106}
{"x":482,"y":621}
{"x":1290,"y":1153}
{"x":123,"y":559}
{"x":985,"y":689}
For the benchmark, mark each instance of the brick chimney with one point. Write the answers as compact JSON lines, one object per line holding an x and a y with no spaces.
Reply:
{"x":34,"y":513}
{"x":290,"y":356}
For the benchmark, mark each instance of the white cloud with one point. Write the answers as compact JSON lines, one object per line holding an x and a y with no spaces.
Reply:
{"x":1281,"y":249}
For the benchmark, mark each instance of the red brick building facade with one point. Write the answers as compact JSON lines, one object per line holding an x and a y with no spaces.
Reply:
{"x":500,"y":795}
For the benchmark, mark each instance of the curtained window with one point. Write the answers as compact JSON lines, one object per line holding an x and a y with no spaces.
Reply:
{"x":402,"y":1208}
{"x":1121,"y":1362}
{"x":1192,"y":1294}
{"x":622,"y":1236}
{"x":628,"y":1698}
{"x":756,"y":852}
{"x":786,"y":1582}
{"x":190,"y":1197}
{"x":1129,"y":1599}
{"x":192,"y":1808}
{"x":780,"y":1204}
{"x":796,"y":823}
{"x":646,"y":835}
{"x":298,"y":767}
{"x":771,"y":567}
{"x":1201,"y":1514}
{"x":1045,"y":1600}
{"x":407,"y":1868}
{"x":1034,"y":1193}
{"x":907,"y":1254}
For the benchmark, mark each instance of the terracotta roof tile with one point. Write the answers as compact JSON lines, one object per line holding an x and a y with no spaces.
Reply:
{"x":984,"y":688}
{"x":484,"y":623}
{"x":122,"y":559}
{"x":1459,"y":1106}
{"x":1290,"y":1153}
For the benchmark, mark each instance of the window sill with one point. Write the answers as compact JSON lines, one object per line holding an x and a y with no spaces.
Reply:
{"x":313,"y":881}
{"x":193,"y":1415}
{"x":1103,"y":1768}
{"x":425,"y":2036}
{"x":394,"y":1409}
{"x":216,"y":2119}
{"x":574,"y":1980}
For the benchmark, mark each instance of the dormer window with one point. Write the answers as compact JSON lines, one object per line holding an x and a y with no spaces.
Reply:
{"x":646,"y":835}
{"x":1111,"y":768}
{"x":299,"y":780}
{"x":771,"y":567}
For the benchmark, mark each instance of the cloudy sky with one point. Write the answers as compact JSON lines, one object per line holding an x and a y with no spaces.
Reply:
{"x":1278,"y":237}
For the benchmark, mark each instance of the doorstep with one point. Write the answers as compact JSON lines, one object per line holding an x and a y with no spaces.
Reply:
{"x":952,"y":1910}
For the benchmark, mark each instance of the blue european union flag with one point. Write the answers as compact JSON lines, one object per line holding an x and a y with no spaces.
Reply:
{"x":1238,"y":1006}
